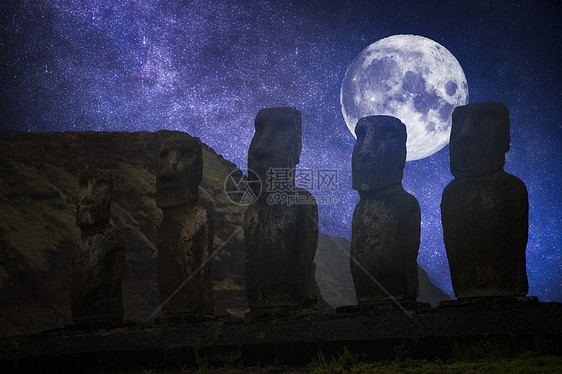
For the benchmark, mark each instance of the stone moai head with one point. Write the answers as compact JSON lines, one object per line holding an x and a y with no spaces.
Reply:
{"x":179,"y":172}
{"x":276,"y":142}
{"x":94,"y":197}
{"x":479,"y":139}
{"x":379,"y":154}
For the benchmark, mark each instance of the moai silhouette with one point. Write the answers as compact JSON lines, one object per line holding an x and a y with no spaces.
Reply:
{"x":98,"y":258}
{"x":185,"y":238}
{"x":386,"y":221}
{"x":280,"y":238}
{"x":484,"y":210}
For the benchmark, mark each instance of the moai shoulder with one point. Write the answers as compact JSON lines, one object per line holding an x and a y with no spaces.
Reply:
{"x":386,"y":221}
{"x":185,"y":237}
{"x":484,"y":210}
{"x":280,"y":237}
{"x":98,"y":258}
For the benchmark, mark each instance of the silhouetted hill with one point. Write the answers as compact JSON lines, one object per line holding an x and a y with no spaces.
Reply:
{"x":39,"y":173}
{"x":333,"y":275}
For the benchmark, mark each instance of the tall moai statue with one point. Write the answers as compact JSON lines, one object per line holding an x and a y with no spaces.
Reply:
{"x":280,"y":239}
{"x":98,"y":258}
{"x":386,"y":221}
{"x":185,"y":238}
{"x":484,"y":210}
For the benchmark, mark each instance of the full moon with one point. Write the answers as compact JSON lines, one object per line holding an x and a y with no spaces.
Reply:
{"x":409,"y":77}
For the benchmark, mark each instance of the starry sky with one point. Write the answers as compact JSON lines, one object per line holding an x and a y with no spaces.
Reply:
{"x":207,"y":67}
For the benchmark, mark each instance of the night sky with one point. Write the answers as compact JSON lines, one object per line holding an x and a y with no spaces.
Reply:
{"x":207,"y":67}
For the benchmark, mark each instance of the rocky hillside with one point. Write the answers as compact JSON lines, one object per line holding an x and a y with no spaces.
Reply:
{"x":39,"y":173}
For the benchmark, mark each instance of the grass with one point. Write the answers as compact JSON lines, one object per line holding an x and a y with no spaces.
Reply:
{"x":347,"y":363}
{"x":497,"y":349}
{"x":488,"y":356}
{"x":492,"y":356}
{"x":527,"y":363}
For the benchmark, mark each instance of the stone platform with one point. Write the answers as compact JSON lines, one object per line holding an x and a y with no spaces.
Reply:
{"x":408,"y":306}
{"x":290,"y":340}
{"x":491,"y":302}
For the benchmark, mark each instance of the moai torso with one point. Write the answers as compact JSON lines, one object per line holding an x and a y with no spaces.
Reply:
{"x":280,"y":239}
{"x":484,"y":210}
{"x":185,"y":238}
{"x":98,"y":258}
{"x":386,"y":222}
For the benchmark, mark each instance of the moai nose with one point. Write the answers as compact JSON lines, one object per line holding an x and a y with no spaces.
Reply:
{"x":169,"y":171}
{"x":88,"y":198}
{"x":366,"y":150}
{"x":173,"y":161}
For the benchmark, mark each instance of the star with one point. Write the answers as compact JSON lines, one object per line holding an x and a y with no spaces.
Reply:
{"x":206,"y":68}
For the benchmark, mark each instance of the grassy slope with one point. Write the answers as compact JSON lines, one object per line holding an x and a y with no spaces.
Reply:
{"x":37,"y":212}
{"x":39,"y":173}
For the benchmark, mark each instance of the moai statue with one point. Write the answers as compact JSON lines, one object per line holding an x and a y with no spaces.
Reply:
{"x":386,"y":222}
{"x":185,"y":238}
{"x":280,"y":238}
{"x":484,"y":210}
{"x":98,"y":259}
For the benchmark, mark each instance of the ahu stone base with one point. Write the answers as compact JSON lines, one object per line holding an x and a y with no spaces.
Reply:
{"x":491,"y":302}
{"x":284,"y":312}
{"x":430,"y":334}
{"x":373,"y":307}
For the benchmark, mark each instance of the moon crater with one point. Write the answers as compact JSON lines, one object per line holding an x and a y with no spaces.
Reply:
{"x":409,"y":77}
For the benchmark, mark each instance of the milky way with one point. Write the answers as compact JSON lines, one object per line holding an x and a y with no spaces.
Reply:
{"x":207,"y":67}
